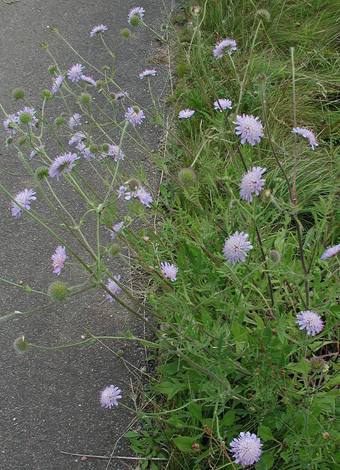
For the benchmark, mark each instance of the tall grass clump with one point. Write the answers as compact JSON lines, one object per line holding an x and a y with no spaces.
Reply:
{"x":238,"y":250}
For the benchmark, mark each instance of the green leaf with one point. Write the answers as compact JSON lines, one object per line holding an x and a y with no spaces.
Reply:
{"x":184,"y":443}
{"x":228,"y":419}
{"x":170,"y":388}
{"x":265,"y":433}
{"x":195,"y":411}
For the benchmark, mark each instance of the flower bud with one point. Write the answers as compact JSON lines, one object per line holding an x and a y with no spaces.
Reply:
{"x":126,"y":33}
{"x":266,"y":195}
{"x":187,"y":176}
{"x":21,"y":140}
{"x":263,"y":15}
{"x":59,"y":121}
{"x":105,"y":148}
{"x":260,"y":78}
{"x":274,"y":256}
{"x":195,"y":10}
{"x":58,"y":291}
{"x":25,"y":117}
{"x":135,"y":20}
{"x":93,"y":148}
{"x":196,"y":447}
{"x":326,"y":435}
{"x":115,"y":249}
{"x":52,"y":69}
{"x":318,"y":364}
{"x":9,"y":141}
{"x":18,"y":94}
{"x":20,"y":345}
{"x":41,"y":173}
{"x":85,"y":98}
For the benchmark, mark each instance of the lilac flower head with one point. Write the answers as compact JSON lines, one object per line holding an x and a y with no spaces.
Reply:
{"x":74,"y":120}
{"x":186,"y":113}
{"x":247,"y":448}
{"x":307,"y":134}
{"x":109,"y":396}
{"x":249,"y":128}
{"x":115,"y":229}
{"x":134,"y":115}
{"x":10,"y":123}
{"x":330,"y":252}
{"x":252,"y":183}
{"x":77,"y":137}
{"x":147,"y":72}
{"x":88,"y":80}
{"x":75,"y":72}
{"x":87,"y":154}
{"x":222,"y":104}
{"x":144,"y":196}
{"x":310,"y":321}
{"x":121,"y":95}
{"x":113,"y":287}
{"x":29,"y":111}
{"x":23,"y":198}
{"x":136,"y":11}
{"x":61,"y":164}
{"x":121,"y":191}
{"x":57,"y":84}
{"x":113,"y":152}
{"x":228,"y":44}
{"x":97,"y":30}
{"x":58,"y":259}
{"x":169,"y":271}
{"x":235,"y":247}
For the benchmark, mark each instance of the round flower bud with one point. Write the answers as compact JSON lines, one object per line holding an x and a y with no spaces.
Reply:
{"x":112,"y":95}
{"x":266,"y":195}
{"x":164,"y":27}
{"x":115,"y":249}
{"x":18,"y":94}
{"x":9,"y":141}
{"x":99,"y":83}
{"x":106,"y":68}
{"x":105,"y":148}
{"x":20,"y":345}
{"x":326,"y":435}
{"x":44,"y":45}
{"x":195,"y":10}
{"x":93,"y":148}
{"x":58,"y":291}
{"x":126,"y":33}
{"x":47,"y":95}
{"x":187,"y":176}
{"x":120,"y":353}
{"x":21,"y":140}
{"x":59,"y":121}
{"x":317,"y":364}
{"x":63,"y":115}
{"x":263,"y":15}
{"x":52,"y":69}
{"x":25,"y":117}
{"x":274,"y":256}
{"x":135,"y":20}
{"x":85,"y":98}
{"x":260,"y":79}
{"x":41,"y":173}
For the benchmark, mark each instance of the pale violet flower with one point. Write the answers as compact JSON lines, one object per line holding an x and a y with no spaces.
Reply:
{"x":134,"y":115}
{"x":109,"y":396}
{"x":113,"y":152}
{"x":307,"y":134}
{"x":330,"y":252}
{"x":97,"y":30}
{"x":74,"y":120}
{"x":58,"y":259}
{"x":77,"y":137}
{"x":310,"y":321}
{"x":75,"y":72}
{"x":252,"y":182}
{"x":10,"y":123}
{"x":88,"y":80}
{"x":23,"y":198}
{"x":57,"y":84}
{"x":29,"y":111}
{"x":235,"y":247}
{"x":250,"y":128}
{"x":225,"y":45}
{"x":144,"y":196}
{"x":169,"y":271}
{"x":121,"y":95}
{"x":186,"y":113}
{"x":113,"y":288}
{"x":61,"y":164}
{"x":115,"y":229}
{"x":222,"y":104}
{"x":136,"y":11}
{"x":121,"y":191}
{"x":246,"y":448}
{"x":147,"y":73}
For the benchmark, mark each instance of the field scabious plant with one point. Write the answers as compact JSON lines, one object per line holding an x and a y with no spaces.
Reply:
{"x":241,"y":287}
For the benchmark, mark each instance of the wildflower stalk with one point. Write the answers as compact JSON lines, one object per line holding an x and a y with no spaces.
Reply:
{"x":294,"y":116}
{"x":25,"y":288}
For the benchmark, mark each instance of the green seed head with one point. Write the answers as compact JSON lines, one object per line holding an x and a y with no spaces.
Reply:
{"x":59,"y":121}
{"x":266,"y":195}
{"x":106,"y":68}
{"x":93,"y":148}
{"x":195,"y":10}
{"x":318,"y":364}
{"x":25,"y":117}
{"x":326,"y":435}
{"x":18,"y":94}
{"x":100,"y":83}
{"x":9,"y":141}
{"x":21,"y":140}
{"x":58,"y":291}
{"x":115,"y":249}
{"x":20,"y":345}
{"x":187,"y":176}
{"x":263,"y":15}
{"x":47,"y":95}
{"x":260,"y":78}
{"x":274,"y":256}
{"x":85,"y":98}
{"x":233,"y":203}
{"x":126,"y":33}
{"x":105,"y":148}
{"x":41,"y":173}
{"x":52,"y":69}
{"x":135,"y":20}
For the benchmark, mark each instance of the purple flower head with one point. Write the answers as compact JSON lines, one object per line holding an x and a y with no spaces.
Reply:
{"x":88,"y":80}
{"x":228,"y":44}
{"x":247,"y":448}
{"x":75,"y":72}
{"x":307,"y":134}
{"x":10,"y":123}
{"x":77,"y":137}
{"x":23,"y":198}
{"x":113,"y":287}
{"x":113,"y":152}
{"x":36,"y":151}
{"x":61,"y":164}
{"x":74,"y":120}
{"x":169,"y":271}
{"x":252,"y":182}
{"x":186,"y":113}
{"x":144,"y":196}
{"x":330,"y":252}
{"x":147,"y":73}
{"x":222,"y":104}
{"x":310,"y":321}
{"x":115,"y":229}
{"x":97,"y":30}
{"x":58,"y":259}
{"x":134,"y":115}
{"x":87,"y":154}
{"x":121,"y":95}
{"x":249,"y":128}
{"x":30,"y":111}
{"x":235,"y":248}
{"x":136,"y":11}
{"x":109,"y":396}
{"x":57,"y":84}
{"x":121,"y":191}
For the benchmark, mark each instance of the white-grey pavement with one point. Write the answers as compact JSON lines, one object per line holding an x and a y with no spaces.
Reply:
{"x":49,"y":401}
